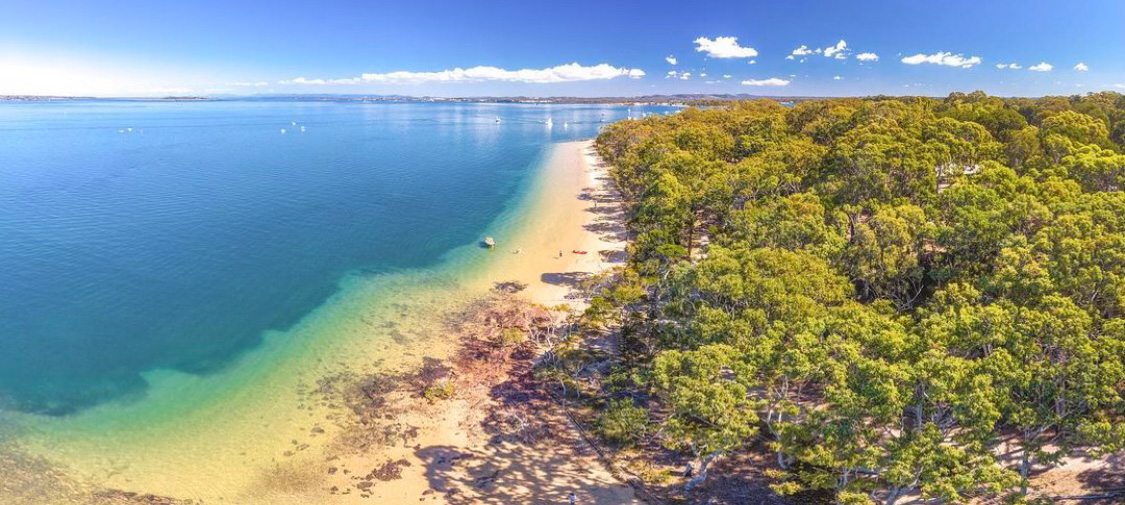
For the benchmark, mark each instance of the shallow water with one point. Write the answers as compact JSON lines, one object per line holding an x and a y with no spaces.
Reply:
{"x":142,"y":235}
{"x":176,"y":273}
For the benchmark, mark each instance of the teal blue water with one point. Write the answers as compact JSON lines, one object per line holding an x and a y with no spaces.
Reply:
{"x":137,"y":236}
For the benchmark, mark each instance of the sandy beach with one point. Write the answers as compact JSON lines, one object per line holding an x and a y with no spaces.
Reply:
{"x":576,"y":209}
{"x":448,"y":457}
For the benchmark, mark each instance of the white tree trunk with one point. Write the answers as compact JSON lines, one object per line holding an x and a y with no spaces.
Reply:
{"x":702,"y":475}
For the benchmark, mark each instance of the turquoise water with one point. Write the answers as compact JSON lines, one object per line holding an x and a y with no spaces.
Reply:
{"x":141,"y":236}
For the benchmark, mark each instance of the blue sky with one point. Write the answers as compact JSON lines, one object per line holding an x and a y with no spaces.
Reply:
{"x":579,"y":47}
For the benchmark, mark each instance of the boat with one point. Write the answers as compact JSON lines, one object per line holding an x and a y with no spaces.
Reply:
{"x":489,"y":242}
{"x":548,"y":122}
{"x":497,"y":119}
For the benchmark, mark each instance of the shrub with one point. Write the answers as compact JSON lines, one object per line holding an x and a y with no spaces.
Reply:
{"x":622,"y":422}
{"x":438,"y":391}
{"x":512,"y":337}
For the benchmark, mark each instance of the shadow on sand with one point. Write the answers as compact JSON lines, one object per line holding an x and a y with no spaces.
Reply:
{"x":1110,"y":476}
{"x":512,"y":473}
{"x":571,"y":279}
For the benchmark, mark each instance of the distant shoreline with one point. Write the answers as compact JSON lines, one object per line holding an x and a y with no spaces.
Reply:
{"x":38,"y":98}
{"x":643,"y":100}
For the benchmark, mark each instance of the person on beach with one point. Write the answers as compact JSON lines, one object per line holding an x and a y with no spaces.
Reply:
{"x":560,"y":253}
{"x":572,"y":498}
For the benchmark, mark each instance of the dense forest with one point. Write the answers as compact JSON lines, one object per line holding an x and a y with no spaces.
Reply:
{"x":902,"y":299}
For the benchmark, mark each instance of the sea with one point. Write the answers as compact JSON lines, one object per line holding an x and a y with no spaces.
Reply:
{"x":164,"y":265}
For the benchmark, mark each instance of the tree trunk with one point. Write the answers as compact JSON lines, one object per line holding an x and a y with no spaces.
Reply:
{"x":702,"y":474}
{"x":892,"y":497}
{"x":1025,"y":469}
{"x":690,"y":237}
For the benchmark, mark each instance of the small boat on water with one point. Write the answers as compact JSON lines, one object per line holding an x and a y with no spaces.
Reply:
{"x":489,"y":242}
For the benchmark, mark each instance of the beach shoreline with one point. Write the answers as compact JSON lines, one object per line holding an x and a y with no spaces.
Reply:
{"x":452,"y":455}
{"x":575,"y":208}
{"x":576,"y":229}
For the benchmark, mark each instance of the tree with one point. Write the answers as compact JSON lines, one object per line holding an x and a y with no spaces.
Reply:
{"x":890,"y":288}
{"x":710,"y":414}
{"x":885,"y":253}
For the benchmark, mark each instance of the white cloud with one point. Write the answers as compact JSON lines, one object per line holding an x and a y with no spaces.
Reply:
{"x":724,"y":47}
{"x":838,"y":51}
{"x":1081,"y":67}
{"x":1011,"y":66}
{"x":943,"y":58}
{"x":685,"y":76}
{"x":672,"y":73}
{"x":773,"y":81}
{"x":258,"y":84}
{"x":1041,"y":67}
{"x":726,"y":76}
{"x":702,"y":75}
{"x":867,"y":57}
{"x":670,"y":59}
{"x":1119,"y":85}
{"x":302,"y":80}
{"x":753,"y":61}
{"x":570,"y":72}
{"x":837,"y":78}
{"x":803,"y":51}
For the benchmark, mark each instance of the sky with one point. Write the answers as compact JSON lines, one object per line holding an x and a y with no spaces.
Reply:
{"x":572,"y":48}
